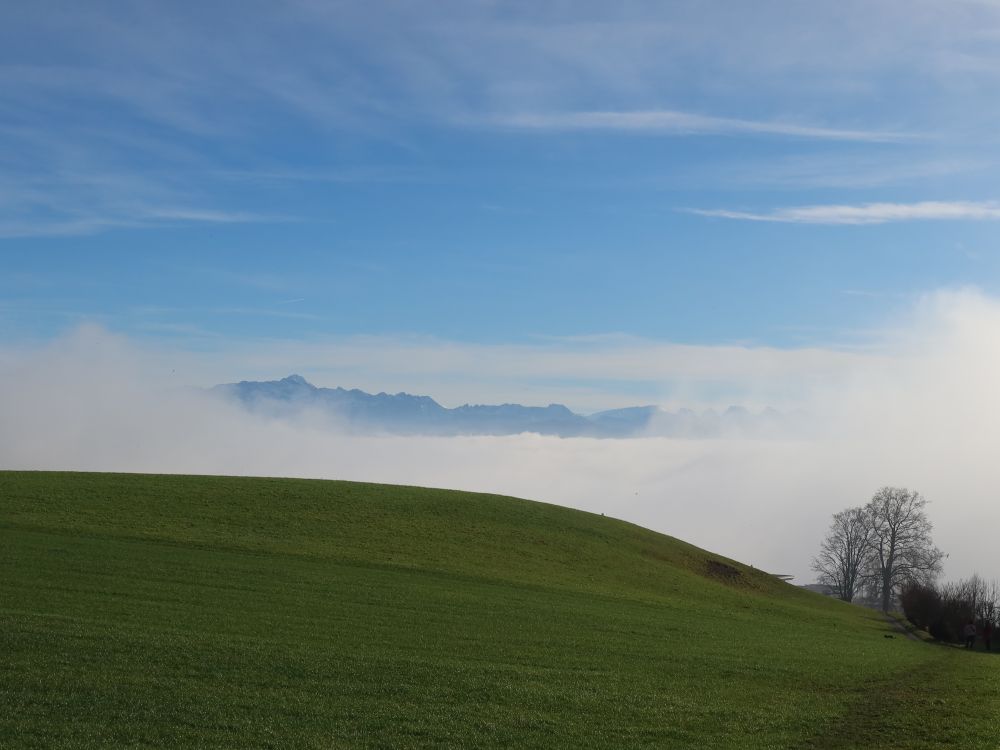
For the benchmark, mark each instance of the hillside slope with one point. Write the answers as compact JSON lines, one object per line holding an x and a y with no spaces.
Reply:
{"x":237,"y":612}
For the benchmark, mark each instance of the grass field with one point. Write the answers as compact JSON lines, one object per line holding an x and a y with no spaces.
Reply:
{"x":151,"y":611}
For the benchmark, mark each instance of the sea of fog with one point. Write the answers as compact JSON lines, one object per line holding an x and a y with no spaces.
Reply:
{"x":922,"y":414}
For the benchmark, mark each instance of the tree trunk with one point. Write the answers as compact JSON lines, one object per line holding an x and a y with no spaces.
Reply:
{"x":886,"y":588}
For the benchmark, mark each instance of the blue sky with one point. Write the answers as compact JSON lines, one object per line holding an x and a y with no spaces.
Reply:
{"x":691,"y":204}
{"x":532,"y":179}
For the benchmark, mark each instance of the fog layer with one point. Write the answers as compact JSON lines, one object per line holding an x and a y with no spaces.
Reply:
{"x":921,"y":411}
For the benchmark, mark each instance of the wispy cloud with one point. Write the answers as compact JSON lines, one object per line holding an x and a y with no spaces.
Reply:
{"x":866,"y":213}
{"x":347,"y":175}
{"x":672,"y":122}
{"x":186,"y":103}
{"x":194,"y":215}
{"x":857,"y":167}
{"x":265,"y":313}
{"x":59,"y":226}
{"x":41,"y":197}
{"x":178,"y":329}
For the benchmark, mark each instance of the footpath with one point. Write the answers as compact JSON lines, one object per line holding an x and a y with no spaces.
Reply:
{"x":897,"y":625}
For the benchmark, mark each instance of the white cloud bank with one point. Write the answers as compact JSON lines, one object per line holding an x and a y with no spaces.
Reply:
{"x":923,"y":412}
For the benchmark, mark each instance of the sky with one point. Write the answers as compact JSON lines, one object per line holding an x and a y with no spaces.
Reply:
{"x":689,"y":204}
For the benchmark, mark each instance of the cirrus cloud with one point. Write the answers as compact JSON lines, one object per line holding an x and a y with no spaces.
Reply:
{"x":866,"y":213}
{"x":672,"y":122}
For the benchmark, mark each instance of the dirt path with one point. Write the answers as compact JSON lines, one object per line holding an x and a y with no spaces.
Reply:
{"x":897,"y":625}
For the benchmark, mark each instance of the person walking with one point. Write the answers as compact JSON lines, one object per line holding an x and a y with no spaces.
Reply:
{"x":988,"y":634}
{"x":969,"y":631}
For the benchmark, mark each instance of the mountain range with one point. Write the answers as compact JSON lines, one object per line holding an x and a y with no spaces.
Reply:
{"x":406,"y":414}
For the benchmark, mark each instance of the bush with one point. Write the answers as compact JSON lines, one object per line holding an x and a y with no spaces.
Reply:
{"x":922,"y":606}
{"x":945,"y":611}
{"x":940,"y":631}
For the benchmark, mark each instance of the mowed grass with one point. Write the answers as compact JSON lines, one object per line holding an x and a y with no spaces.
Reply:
{"x":153,"y":611}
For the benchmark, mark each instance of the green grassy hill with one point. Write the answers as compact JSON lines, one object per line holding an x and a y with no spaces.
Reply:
{"x":150,"y":611}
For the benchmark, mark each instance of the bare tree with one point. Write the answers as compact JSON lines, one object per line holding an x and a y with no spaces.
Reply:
{"x":842,"y":557}
{"x":975,"y":597}
{"x":901,"y":546}
{"x":989,"y":601}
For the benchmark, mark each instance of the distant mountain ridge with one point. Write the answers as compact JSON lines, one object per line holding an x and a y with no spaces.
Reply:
{"x":407,"y":414}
